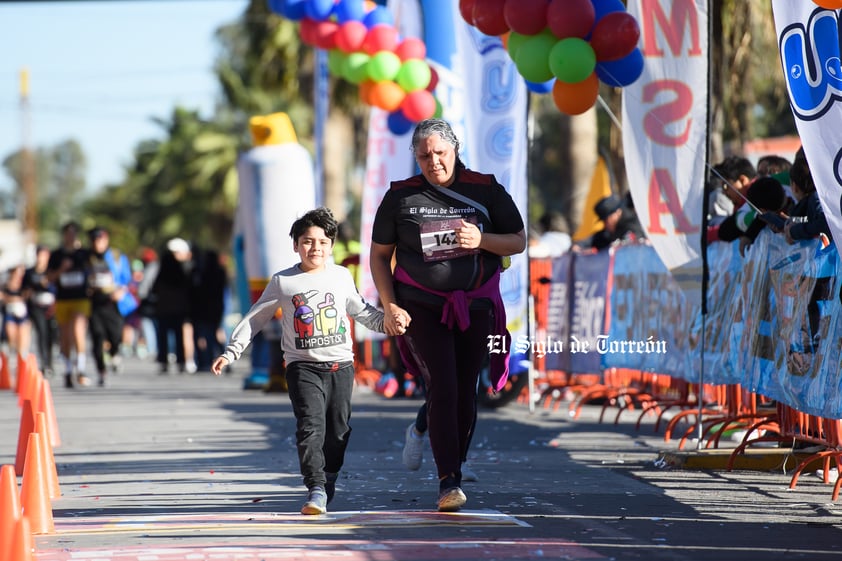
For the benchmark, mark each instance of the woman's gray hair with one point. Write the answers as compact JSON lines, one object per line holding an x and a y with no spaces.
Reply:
{"x":429,"y":127}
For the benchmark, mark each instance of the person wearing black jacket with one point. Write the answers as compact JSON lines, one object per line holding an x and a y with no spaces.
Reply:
{"x":621,"y":223}
{"x":806,"y":219}
{"x":766,"y":194}
{"x":171,"y":294}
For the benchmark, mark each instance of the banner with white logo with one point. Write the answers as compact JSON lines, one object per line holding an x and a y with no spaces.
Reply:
{"x":495,"y":136}
{"x":808,"y":38}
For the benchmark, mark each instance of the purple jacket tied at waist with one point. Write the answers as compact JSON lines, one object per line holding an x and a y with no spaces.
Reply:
{"x":456,"y":311}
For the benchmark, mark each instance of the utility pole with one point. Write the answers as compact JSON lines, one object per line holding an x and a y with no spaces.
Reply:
{"x":29,"y":214}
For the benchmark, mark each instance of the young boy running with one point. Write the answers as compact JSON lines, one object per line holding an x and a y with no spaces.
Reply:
{"x":315,"y":297}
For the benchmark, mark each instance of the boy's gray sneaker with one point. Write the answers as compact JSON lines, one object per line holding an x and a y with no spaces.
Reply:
{"x":316,"y":501}
{"x":413,"y":448}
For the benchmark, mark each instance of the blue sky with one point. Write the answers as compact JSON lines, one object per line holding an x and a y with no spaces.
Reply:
{"x":100,"y":70}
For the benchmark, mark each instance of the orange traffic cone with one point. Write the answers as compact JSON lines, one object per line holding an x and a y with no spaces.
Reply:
{"x":34,"y":493}
{"x":5,"y":377}
{"x":27,"y":425}
{"x":32,"y":362}
{"x":22,"y":546}
{"x":49,"y":459}
{"x":9,"y":507}
{"x":45,"y":404}
{"x":33,"y":389}
{"x":24,"y":380}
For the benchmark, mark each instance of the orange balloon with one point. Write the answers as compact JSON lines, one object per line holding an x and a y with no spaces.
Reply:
{"x":505,"y":38}
{"x":387,"y":95}
{"x":578,"y":97}
{"x":829,"y":4}
{"x":365,"y":91}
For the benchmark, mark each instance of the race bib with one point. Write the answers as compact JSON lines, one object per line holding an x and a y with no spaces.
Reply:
{"x":102,"y":280}
{"x":16,"y":309}
{"x":44,"y":299}
{"x":438,"y":240}
{"x":72,"y":279}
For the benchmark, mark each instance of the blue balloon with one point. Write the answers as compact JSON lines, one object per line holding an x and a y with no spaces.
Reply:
{"x":621,"y":72}
{"x":398,"y":123}
{"x":277,"y":6}
{"x":380,"y":14}
{"x":291,"y":9}
{"x":349,"y":10}
{"x":602,"y":7}
{"x":540,"y":87}
{"x":319,"y":10}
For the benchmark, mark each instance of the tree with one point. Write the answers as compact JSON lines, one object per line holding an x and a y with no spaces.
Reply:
{"x":59,"y":184}
{"x":184,"y":185}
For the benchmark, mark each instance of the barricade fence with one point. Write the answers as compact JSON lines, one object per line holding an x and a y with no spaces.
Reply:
{"x":772,"y":324}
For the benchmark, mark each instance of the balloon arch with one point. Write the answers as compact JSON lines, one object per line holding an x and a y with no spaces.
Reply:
{"x":562,"y":47}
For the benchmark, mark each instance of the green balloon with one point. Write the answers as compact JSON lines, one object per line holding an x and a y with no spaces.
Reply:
{"x":414,"y":75}
{"x":572,"y":60}
{"x":384,"y":66}
{"x":336,"y":61}
{"x":533,"y":57}
{"x":355,"y":69}
{"x":515,"y":41}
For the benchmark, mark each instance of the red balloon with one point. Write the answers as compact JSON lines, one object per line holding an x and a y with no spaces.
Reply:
{"x":411,"y":48}
{"x":350,"y":36}
{"x":466,"y":8}
{"x":570,"y":18}
{"x":307,"y":28}
{"x":527,"y":17}
{"x":488,"y":17}
{"x":434,"y":80}
{"x":381,"y":37}
{"x":614,"y":36}
{"x":576,"y":98}
{"x":418,"y":105}
{"x":326,"y":34}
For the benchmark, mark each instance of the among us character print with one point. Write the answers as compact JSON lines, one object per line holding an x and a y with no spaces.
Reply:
{"x":317,"y":324}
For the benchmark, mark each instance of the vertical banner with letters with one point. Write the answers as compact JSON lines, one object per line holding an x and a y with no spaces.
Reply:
{"x":665,"y":132}
{"x":485,"y":100}
{"x":808,"y":38}
{"x":388,"y":155}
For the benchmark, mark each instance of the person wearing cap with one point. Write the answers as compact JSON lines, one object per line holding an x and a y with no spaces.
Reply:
{"x":620,"y":224}
{"x":67,"y":269}
{"x":109,"y":276}
{"x":171,"y":294}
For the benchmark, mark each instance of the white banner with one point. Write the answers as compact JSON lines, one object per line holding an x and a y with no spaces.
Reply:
{"x":388,"y":157}
{"x":665,"y":132}
{"x":495,"y":138}
{"x":808,"y":38}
